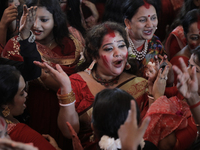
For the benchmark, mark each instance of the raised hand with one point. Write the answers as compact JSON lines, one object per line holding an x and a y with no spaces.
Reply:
{"x":51,"y":141}
{"x":92,"y":20}
{"x":129,"y":133}
{"x":9,"y":15}
{"x":58,"y":74}
{"x":187,"y":84}
{"x":27,"y":21}
{"x":160,"y":83}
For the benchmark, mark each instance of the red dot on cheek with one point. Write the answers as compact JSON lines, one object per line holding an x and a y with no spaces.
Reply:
{"x":192,"y":46}
{"x":127,"y":55}
{"x":105,"y":61}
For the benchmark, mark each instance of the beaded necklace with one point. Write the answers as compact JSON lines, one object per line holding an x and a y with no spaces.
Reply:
{"x":138,"y":55}
{"x":104,"y":82}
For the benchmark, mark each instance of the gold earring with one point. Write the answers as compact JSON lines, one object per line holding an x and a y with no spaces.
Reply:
{"x":6,"y":111}
{"x":128,"y":66}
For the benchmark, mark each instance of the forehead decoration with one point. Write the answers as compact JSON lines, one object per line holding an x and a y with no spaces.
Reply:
{"x":110,"y":31}
{"x":146,"y":5}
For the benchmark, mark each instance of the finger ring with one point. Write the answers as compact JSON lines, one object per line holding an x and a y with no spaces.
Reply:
{"x":164,"y":78}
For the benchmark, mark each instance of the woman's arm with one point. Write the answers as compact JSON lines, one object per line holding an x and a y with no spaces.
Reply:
{"x":67,"y":112}
{"x":188,"y":86}
{"x":9,"y":15}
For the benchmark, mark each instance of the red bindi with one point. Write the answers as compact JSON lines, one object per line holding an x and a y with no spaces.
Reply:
{"x":127,"y":55}
{"x":148,"y":15}
{"x":147,"y":5}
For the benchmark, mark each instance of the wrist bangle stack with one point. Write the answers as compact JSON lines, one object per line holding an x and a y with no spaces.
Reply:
{"x":195,"y":105}
{"x":31,"y":38}
{"x":67,"y":99}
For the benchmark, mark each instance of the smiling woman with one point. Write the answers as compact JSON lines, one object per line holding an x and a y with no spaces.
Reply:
{"x":105,"y":60}
{"x":47,"y":22}
{"x":141,"y":20}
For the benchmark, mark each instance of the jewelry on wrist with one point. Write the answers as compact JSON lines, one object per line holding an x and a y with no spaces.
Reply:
{"x":195,"y":105}
{"x":66,"y":98}
{"x":31,"y":38}
{"x":64,"y":105}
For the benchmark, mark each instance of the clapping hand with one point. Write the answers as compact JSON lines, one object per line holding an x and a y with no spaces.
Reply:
{"x":9,"y":15}
{"x":27,"y":21}
{"x":92,"y":20}
{"x":129,"y":133}
{"x":187,"y":83}
{"x":58,"y":74}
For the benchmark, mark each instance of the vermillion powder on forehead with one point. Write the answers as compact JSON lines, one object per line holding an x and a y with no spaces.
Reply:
{"x":111,"y":33}
{"x":146,"y":5}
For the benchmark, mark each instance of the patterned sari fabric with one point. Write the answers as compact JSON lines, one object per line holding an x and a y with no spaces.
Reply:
{"x":175,"y":41}
{"x":155,"y":47}
{"x":22,"y":133}
{"x":42,"y":103}
{"x":136,"y":86}
{"x":167,"y":116}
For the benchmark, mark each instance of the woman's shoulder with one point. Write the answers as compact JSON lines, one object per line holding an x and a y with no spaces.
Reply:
{"x":155,"y":43}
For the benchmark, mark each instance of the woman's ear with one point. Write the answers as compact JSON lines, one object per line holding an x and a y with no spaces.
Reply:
{"x":127,"y":23}
{"x":197,"y":3}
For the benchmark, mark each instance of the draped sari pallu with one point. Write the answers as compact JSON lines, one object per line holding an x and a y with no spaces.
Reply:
{"x":167,"y":116}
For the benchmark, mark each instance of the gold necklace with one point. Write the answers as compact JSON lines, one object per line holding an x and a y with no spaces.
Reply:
{"x":51,"y":43}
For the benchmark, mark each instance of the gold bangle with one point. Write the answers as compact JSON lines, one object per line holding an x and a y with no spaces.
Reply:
{"x":67,"y":98}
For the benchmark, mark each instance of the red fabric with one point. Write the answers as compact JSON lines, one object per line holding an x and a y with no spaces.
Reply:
{"x":42,"y":104}
{"x":188,"y":132}
{"x":166,"y":18}
{"x":167,"y":116}
{"x":84,"y":97}
{"x":174,"y":47}
{"x":175,"y":61}
{"x":23,"y":133}
{"x":175,"y":41}
{"x":75,"y":140}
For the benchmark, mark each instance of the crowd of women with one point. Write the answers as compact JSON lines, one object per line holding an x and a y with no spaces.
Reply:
{"x":100,"y":74}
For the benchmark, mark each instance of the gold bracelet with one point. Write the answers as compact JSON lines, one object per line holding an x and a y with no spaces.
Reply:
{"x":67,"y":98}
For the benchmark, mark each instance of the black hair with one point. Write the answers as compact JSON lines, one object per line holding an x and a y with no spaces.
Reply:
{"x":130,"y":7}
{"x":190,"y":18}
{"x":187,"y":6}
{"x":60,"y":29}
{"x":9,"y":83}
{"x":110,"y":110}
{"x":196,"y":53}
{"x":94,"y":40}
{"x":74,"y":15}
{"x":113,"y":11}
